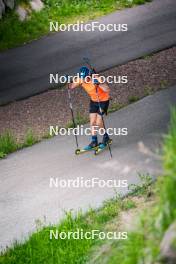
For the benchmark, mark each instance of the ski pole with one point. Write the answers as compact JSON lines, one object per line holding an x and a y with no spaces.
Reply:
{"x":87,"y":61}
{"x":72,"y":114}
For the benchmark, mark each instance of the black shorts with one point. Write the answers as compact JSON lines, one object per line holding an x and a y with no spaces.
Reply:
{"x":94,"y":107}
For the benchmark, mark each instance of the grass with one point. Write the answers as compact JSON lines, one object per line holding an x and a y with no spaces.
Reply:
{"x":163,"y":84}
{"x":133,"y":248}
{"x":167,"y":184}
{"x":148,"y":90}
{"x":115,"y":107}
{"x":14,"y":33}
{"x":142,"y":189}
{"x":30,"y":139}
{"x":133,"y":99}
{"x":40,"y":249}
{"x":9,"y":144}
{"x":147,"y":57}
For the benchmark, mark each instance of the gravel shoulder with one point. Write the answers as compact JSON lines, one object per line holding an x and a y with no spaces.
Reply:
{"x":37,"y":113}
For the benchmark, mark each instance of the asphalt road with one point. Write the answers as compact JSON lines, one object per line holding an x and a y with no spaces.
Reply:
{"x":25,"y":195}
{"x":24,"y":71}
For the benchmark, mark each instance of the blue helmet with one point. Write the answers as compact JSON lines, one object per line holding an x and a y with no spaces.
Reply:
{"x":84,"y":72}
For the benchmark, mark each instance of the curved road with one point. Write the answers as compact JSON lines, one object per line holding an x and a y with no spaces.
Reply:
{"x":24,"y":71}
{"x":25,"y":195}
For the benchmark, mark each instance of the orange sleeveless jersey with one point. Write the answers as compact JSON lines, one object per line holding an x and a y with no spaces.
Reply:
{"x":90,"y":88}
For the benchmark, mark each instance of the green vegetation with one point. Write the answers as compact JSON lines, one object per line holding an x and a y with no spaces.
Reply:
{"x":144,"y":188}
{"x":148,"y":90}
{"x":30,"y":139}
{"x":147,"y":57}
{"x":142,"y":245}
{"x":9,"y":144}
{"x":163,"y":84}
{"x":115,"y":107}
{"x":14,"y":33}
{"x":133,"y":99}
{"x":167,"y":184}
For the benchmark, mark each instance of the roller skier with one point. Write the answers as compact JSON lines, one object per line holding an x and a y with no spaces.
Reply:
{"x":98,"y":107}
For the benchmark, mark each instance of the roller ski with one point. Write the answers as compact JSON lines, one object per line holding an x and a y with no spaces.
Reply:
{"x":92,"y":146}
{"x":102,"y":146}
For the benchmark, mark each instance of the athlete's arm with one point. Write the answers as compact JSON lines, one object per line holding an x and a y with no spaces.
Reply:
{"x":73,"y":85}
{"x":104,"y":86}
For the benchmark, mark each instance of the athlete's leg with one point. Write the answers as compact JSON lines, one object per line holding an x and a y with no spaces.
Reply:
{"x":99,"y":121}
{"x":94,"y":139}
{"x":102,"y":110}
{"x":93,"y":123}
{"x":105,"y":136}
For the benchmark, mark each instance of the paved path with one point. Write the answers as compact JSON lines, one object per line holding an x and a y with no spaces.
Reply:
{"x":24,"y":176}
{"x":24,"y":71}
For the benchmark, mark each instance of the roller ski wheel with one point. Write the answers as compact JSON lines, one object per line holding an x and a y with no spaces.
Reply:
{"x":81,"y":151}
{"x":100,"y":149}
{"x":77,"y":151}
